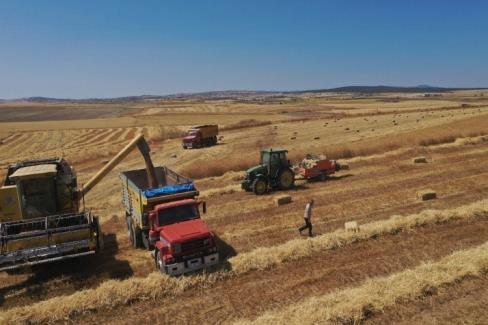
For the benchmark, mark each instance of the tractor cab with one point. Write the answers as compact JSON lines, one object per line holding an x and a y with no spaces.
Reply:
{"x":274,"y":171}
{"x":274,"y":160}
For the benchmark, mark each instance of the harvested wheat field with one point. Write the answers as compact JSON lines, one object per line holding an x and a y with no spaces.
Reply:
{"x":408,"y":260}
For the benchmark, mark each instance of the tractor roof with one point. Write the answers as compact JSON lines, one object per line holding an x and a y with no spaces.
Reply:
{"x":34,"y":171}
{"x":275,"y":150}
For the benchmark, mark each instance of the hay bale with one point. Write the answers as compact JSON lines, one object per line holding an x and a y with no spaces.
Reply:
{"x":104,"y":161}
{"x":426,"y":195}
{"x":282,"y":199}
{"x":174,"y":155}
{"x":293,"y":138}
{"x":351,"y":226}
{"x":316,"y":138}
{"x":419,"y":160}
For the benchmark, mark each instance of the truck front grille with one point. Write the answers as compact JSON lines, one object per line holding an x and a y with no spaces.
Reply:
{"x":194,"y":244}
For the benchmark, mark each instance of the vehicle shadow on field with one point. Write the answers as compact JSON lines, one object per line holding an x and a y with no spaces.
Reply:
{"x":70,"y":274}
{"x":226,"y":251}
{"x":330,"y":178}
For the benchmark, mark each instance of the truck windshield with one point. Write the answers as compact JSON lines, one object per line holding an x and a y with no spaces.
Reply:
{"x":177,"y":214}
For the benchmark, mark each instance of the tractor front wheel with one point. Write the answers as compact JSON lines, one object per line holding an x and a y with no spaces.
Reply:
{"x":259,"y":186}
{"x":286,"y":179}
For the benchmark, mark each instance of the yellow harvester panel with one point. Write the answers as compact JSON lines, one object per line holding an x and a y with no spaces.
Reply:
{"x":29,"y":242}
{"x":69,"y":236}
{"x":9,"y":204}
{"x":45,"y":240}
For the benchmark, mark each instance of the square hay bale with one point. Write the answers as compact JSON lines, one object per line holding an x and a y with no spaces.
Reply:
{"x":426,"y":195}
{"x":351,"y":226}
{"x":282,"y":199}
{"x":419,"y":160}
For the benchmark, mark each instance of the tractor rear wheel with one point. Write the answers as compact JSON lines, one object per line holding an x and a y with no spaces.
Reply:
{"x":259,"y":186}
{"x":286,"y":179}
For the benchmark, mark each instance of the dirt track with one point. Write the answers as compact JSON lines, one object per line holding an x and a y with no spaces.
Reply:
{"x":252,"y":294}
{"x":461,"y":303}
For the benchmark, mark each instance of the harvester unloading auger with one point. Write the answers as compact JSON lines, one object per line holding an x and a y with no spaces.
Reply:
{"x":41,"y":218}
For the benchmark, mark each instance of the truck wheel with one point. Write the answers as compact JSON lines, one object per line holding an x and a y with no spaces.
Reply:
{"x":135,"y":236}
{"x":322,"y":176}
{"x":286,"y":179}
{"x":259,"y":186}
{"x":159,"y":262}
{"x":145,"y":241}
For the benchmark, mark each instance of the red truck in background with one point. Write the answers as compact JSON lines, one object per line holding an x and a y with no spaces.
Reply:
{"x":166,"y":220}
{"x":199,"y":136}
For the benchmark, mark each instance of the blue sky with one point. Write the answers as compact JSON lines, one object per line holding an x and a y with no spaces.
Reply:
{"x":87,"y":48}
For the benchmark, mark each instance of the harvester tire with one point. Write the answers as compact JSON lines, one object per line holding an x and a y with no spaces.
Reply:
{"x":100,"y":242}
{"x":259,"y":186}
{"x":286,"y":179}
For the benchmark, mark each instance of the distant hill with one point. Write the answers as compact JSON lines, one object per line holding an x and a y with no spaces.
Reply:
{"x":385,"y":89}
{"x":234,"y":94}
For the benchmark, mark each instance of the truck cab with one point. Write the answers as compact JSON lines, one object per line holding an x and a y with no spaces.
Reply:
{"x":182,"y":241}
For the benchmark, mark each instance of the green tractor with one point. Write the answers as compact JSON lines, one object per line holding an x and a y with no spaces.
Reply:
{"x":273,"y":172}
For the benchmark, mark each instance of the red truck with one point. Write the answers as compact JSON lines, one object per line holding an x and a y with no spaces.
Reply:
{"x":199,"y":136}
{"x":166,"y":220}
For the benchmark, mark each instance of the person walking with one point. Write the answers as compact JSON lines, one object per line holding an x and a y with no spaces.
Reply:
{"x":307,"y":216}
